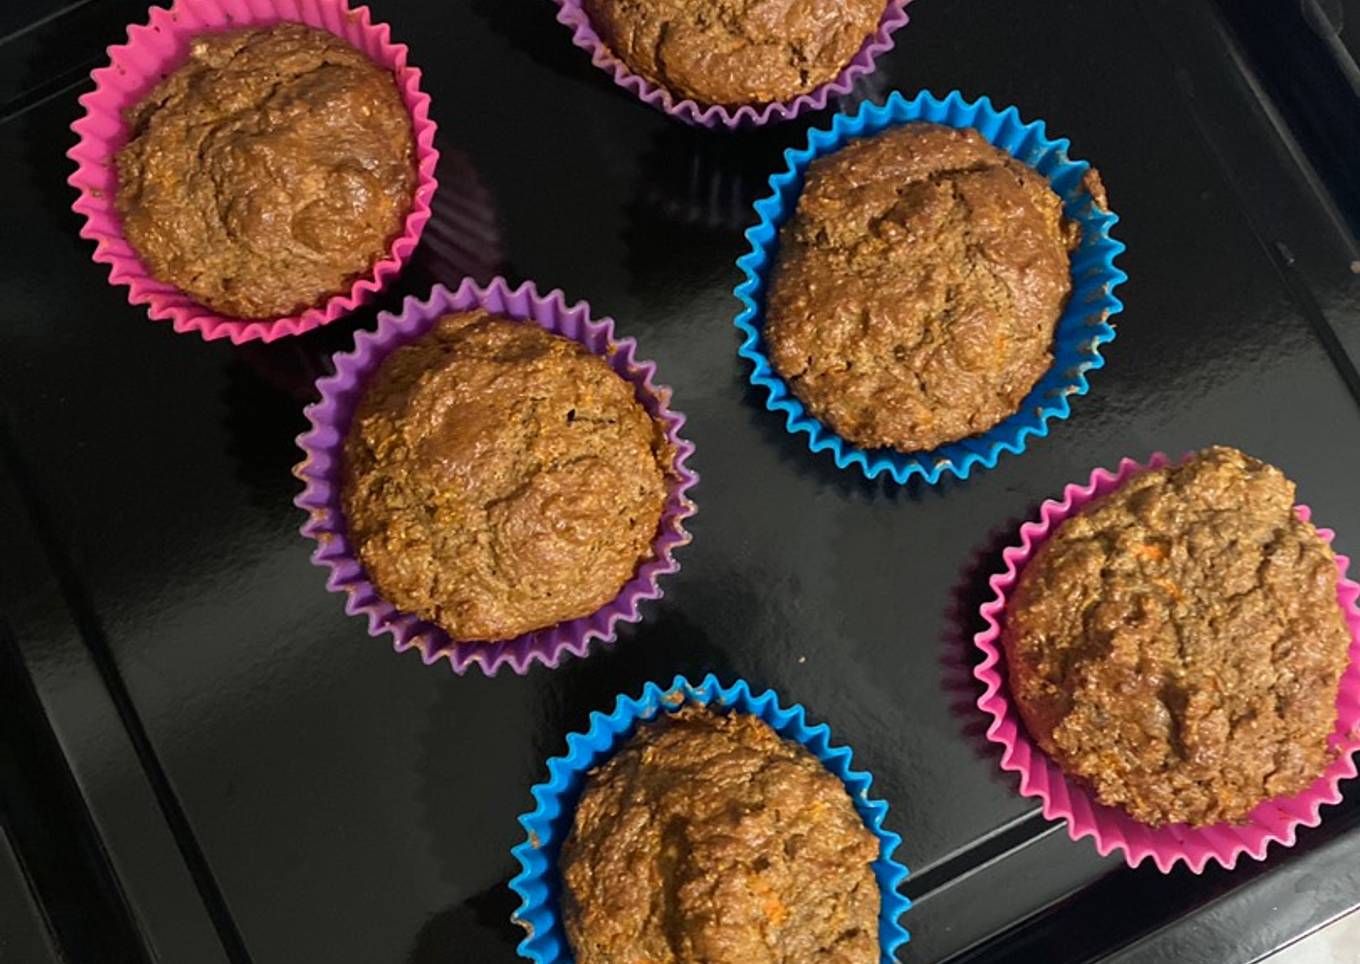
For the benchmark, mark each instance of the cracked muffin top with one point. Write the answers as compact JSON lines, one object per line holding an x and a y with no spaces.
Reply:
{"x":709,"y":838}
{"x":500,"y":479}
{"x":917,"y":287}
{"x":734,"y":52}
{"x":267,"y":173}
{"x":1177,"y":645}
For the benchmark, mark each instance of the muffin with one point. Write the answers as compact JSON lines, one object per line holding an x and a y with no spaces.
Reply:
{"x":499,"y":479}
{"x":917,"y":287}
{"x":1177,"y":645}
{"x":708,"y":838}
{"x":736,"y":51}
{"x":269,"y":172}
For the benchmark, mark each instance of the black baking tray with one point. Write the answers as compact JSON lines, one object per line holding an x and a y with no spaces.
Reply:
{"x":202,"y":759}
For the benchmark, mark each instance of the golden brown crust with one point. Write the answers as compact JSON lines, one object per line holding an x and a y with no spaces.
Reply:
{"x":736,"y":52}
{"x":267,"y":173}
{"x":1177,"y":645}
{"x":917,"y":287}
{"x":499,"y":479}
{"x":708,"y":838}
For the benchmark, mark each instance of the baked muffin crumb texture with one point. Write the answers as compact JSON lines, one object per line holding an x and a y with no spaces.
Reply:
{"x":709,"y":838}
{"x":917,"y":287}
{"x":267,"y":173}
{"x":734,"y":52}
{"x":1177,"y":645}
{"x":500,"y":479}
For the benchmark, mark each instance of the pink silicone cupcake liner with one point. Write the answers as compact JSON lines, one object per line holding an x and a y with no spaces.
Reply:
{"x":320,"y":473}
{"x":573,"y":15}
{"x":1274,"y":821}
{"x":154,"y":50}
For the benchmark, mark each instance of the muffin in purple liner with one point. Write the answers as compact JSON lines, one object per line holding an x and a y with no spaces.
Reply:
{"x":574,"y":14}
{"x":321,"y":473}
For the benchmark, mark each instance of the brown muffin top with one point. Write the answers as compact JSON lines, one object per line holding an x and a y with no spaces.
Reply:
{"x":736,"y":51}
{"x":267,"y":173}
{"x":917,"y":287}
{"x":1177,"y":645}
{"x":499,"y":479}
{"x":708,"y":838}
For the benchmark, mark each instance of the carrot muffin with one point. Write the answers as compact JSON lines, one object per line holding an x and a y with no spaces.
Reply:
{"x":736,"y":52}
{"x":709,"y":838}
{"x":269,"y":172}
{"x":917,"y":287}
{"x":1177,"y":645}
{"x":498,"y":479}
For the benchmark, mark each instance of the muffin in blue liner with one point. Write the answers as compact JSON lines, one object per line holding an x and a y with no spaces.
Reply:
{"x":538,"y":883}
{"x":1082,"y":329}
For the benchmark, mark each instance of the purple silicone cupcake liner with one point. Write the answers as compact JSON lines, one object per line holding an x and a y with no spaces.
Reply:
{"x":320,"y":473}
{"x":573,"y":15}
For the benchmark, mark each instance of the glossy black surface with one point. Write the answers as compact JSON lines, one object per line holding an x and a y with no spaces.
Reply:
{"x":262,"y":781}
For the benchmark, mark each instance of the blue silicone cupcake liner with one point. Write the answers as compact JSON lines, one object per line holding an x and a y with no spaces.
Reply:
{"x":1082,"y":329}
{"x":538,"y":884}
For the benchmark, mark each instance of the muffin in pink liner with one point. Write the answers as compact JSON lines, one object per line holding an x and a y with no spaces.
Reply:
{"x":572,"y":14}
{"x":320,"y":472}
{"x":1273,"y":821}
{"x":154,"y":50}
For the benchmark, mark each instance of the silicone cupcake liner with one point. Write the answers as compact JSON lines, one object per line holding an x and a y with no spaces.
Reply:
{"x":320,"y":473}
{"x":573,"y":15}
{"x":1274,"y":821}
{"x":538,"y":885}
{"x":1082,"y":329}
{"x":153,"y":51}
